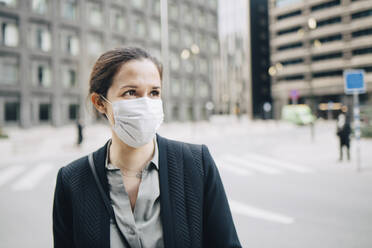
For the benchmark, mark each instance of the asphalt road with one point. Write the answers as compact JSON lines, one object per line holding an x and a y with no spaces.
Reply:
{"x":285,"y":189}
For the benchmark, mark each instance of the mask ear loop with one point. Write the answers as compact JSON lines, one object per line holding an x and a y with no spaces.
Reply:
{"x":105,"y":99}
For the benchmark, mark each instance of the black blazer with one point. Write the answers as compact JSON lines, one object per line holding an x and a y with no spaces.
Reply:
{"x":194,"y":209}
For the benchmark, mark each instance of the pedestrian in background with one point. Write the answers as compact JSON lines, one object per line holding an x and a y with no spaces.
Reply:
{"x":139,"y":189}
{"x":343,"y":132}
{"x":79,"y":132}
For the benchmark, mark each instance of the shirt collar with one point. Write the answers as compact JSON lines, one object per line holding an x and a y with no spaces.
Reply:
{"x":154,"y":160}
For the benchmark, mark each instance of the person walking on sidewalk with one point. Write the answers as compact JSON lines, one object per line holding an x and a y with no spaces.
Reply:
{"x":343,"y":132}
{"x":79,"y":127}
{"x":139,"y":189}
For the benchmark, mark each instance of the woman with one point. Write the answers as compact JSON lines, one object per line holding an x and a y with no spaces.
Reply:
{"x":139,"y":189}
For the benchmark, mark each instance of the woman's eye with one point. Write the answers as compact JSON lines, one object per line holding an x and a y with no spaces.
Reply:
{"x":155,"y":93}
{"x":129,"y":93}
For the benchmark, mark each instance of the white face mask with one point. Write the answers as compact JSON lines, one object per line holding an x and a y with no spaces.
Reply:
{"x":137,"y":120}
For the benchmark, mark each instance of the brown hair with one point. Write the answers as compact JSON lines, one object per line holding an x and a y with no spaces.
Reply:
{"x":108,"y":64}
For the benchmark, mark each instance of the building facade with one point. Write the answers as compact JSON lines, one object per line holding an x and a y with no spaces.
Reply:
{"x":312,"y":43}
{"x":233,"y":95}
{"x":244,"y":85}
{"x":48,"y":48}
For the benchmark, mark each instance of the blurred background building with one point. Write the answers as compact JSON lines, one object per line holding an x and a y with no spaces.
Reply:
{"x":244,"y":83}
{"x":48,"y":48}
{"x":312,"y":43}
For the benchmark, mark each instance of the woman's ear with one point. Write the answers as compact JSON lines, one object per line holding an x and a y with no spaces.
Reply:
{"x":98,"y":103}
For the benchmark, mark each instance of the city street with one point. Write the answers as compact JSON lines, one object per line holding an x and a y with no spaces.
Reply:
{"x":286,"y":189}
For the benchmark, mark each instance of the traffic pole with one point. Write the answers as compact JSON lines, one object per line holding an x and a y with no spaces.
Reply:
{"x":357,"y":129}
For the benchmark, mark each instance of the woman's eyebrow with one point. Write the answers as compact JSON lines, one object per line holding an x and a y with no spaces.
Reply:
{"x":128,"y":86}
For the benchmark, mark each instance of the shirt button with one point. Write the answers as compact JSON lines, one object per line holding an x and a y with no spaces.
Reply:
{"x":131,"y":230}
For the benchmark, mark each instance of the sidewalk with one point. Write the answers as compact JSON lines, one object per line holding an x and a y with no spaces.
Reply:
{"x":45,"y":141}
{"x":280,"y":138}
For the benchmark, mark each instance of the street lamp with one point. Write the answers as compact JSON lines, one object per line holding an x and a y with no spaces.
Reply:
{"x":185,"y":54}
{"x":195,"y":49}
{"x":312,"y":23}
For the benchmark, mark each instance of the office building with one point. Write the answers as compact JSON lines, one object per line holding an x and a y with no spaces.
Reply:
{"x":244,"y":85}
{"x":312,"y":43}
{"x":48,"y":48}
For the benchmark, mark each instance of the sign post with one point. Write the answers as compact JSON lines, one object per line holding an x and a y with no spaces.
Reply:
{"x":354,"y":84}
{"x":294,"y":96}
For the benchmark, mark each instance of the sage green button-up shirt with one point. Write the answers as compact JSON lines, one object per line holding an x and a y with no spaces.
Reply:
{"x":142,"y":228}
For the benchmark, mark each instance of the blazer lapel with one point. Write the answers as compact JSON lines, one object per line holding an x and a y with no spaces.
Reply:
{"x":99,"y":157}
{"x":165,"y":202}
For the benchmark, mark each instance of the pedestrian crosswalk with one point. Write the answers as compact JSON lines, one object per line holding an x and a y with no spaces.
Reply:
{"x":253,"y":164}
{"x":26,"y":178}
{"x":22,"y":178}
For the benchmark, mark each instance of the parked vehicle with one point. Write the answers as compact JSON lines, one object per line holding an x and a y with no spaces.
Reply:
{"x":299,"y":114}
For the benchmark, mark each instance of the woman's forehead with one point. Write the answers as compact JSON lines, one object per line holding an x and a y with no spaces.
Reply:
{"x":141,"y":72}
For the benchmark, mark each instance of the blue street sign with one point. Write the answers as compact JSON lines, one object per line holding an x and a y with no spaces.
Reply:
{"x":354,"y":81}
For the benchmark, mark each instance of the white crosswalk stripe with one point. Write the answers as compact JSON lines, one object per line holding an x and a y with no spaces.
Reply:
{"x":258,"y":167}
{"x":251,"y":164}
{"x":258,"y":213}
{"x":10,"y":173}
{"x":276,"y":162}
{"x":32,"y":178}
{"x":231,"y":168}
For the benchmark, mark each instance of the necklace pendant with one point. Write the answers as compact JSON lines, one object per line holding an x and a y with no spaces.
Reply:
{"x":139,"y":175}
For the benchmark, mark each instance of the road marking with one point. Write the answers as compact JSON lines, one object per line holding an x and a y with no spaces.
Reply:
{"x":9,"y":173}
{"x":30,"y":180}
{"x":244,"y":209}
{"x":252,"y":165}
{"x":231,"y":168}
{"x":285,"y":165}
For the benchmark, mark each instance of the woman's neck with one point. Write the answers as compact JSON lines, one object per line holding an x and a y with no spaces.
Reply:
{"x":128,"y":158}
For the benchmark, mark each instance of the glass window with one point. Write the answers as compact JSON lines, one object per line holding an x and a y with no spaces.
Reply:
{"x":9,"y":3}
{"x":94,"y":14}
{"x":44,"y":112}
{"x":69,"y":9}
{"x":9,"y":69}
{"x":214,"y":45}
{"x":281,"y":3}
{"x":189,"y":65}
{"x":40,"y":6}
{"x":42,"y":38}
{"x":155,"y":31}
{"x":203,"y":89}
{"x":361,"y":14}
{"x":212,"y":21}
{"x":202,"y":18}
{"x":213,"y":4}
{"x":95,"y":45}
{"x":174,"y":36}
{"x":203,"y":66}
{"x":139,"y":4}
{"x":174,"y":62}
{"x":41,"y":74}
{"x":139,"y":26}
{"x":72,"y":44}
{"x":118,"y":22}
{"x":325,"y":5}
{"x":156,"y":7}
{"x":69,"y":77}
{"x":9,"y":33}
{"x":363,"y":32}
{"x":186,"y":13}
{"x":73,"y":110}
{"x":187,"y":38}
{"x":289,"y":15}
{"x":189,"y":88}
{"x":175,"y":87}
{"x":173,"y":11}
{"x":11,"y":111}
